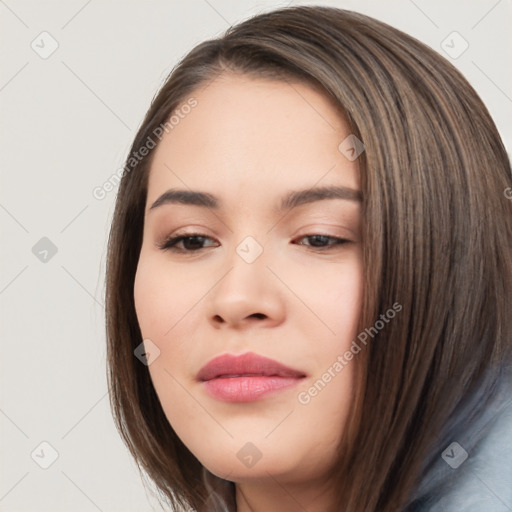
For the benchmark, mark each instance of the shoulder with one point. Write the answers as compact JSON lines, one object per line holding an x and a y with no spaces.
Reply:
{"x":484,"y":480}
{"x":474,"y":472}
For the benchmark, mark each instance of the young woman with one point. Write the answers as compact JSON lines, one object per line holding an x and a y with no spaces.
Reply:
{"x":309,"y":276}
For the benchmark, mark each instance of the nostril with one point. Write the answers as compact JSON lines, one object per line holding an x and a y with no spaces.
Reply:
{"x":258,"y":315}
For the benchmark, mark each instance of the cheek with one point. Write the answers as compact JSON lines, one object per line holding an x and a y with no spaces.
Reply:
{"x":161,"y":299}
{"x":334,"y":295}
{"x":167,"y":307}
{"x":147,"y":295}
{"x":344,"y":303}
{"x":162,"y":296}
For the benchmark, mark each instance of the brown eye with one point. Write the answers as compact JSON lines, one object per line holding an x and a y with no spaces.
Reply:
{"x":318,"y":241}
{"x":192,"y":242}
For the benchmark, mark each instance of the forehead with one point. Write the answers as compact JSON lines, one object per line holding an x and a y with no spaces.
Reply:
{"x":246,"y":138}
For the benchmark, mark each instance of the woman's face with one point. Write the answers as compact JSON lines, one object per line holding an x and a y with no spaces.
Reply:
{"x":257,"y":281}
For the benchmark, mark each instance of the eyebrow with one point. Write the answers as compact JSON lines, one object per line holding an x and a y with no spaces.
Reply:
{"x":290,"y":200}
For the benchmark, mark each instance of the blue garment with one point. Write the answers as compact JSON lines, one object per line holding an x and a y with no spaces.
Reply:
{"x":483,"y":481}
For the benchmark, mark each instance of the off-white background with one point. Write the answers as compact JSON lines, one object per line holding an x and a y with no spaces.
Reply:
{"x":66,"y":125}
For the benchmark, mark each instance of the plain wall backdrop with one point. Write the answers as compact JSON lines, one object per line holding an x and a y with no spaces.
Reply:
{"x":76,"y":78}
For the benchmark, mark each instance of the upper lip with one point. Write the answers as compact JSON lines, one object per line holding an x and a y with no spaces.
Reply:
{"x":229,"y":365}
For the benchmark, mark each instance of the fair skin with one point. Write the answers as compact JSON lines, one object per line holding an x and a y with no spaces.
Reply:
{"x":249,"y":142}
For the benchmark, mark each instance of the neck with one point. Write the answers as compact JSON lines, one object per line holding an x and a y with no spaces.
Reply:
{"x":275,"y":496}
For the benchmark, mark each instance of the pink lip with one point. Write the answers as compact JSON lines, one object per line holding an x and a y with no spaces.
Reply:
{"x":247,"y":377}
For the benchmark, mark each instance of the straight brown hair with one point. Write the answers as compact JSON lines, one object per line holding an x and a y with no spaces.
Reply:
{"x":436,"y":235}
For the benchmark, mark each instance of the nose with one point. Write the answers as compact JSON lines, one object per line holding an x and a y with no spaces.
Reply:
{"x":248,"y":294}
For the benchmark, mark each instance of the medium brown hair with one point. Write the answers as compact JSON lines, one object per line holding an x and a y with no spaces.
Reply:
{"x":436,"y":235}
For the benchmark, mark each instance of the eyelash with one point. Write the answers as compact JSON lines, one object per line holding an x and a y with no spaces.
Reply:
{"x":169,"y":244}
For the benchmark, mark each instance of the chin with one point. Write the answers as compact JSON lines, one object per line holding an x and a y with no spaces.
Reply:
{"x":248,"y":462}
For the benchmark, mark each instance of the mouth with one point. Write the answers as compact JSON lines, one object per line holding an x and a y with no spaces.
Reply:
{"x":247,"y":377}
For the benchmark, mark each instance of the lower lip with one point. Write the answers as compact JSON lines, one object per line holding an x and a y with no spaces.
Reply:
{"x":247,"y":389}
